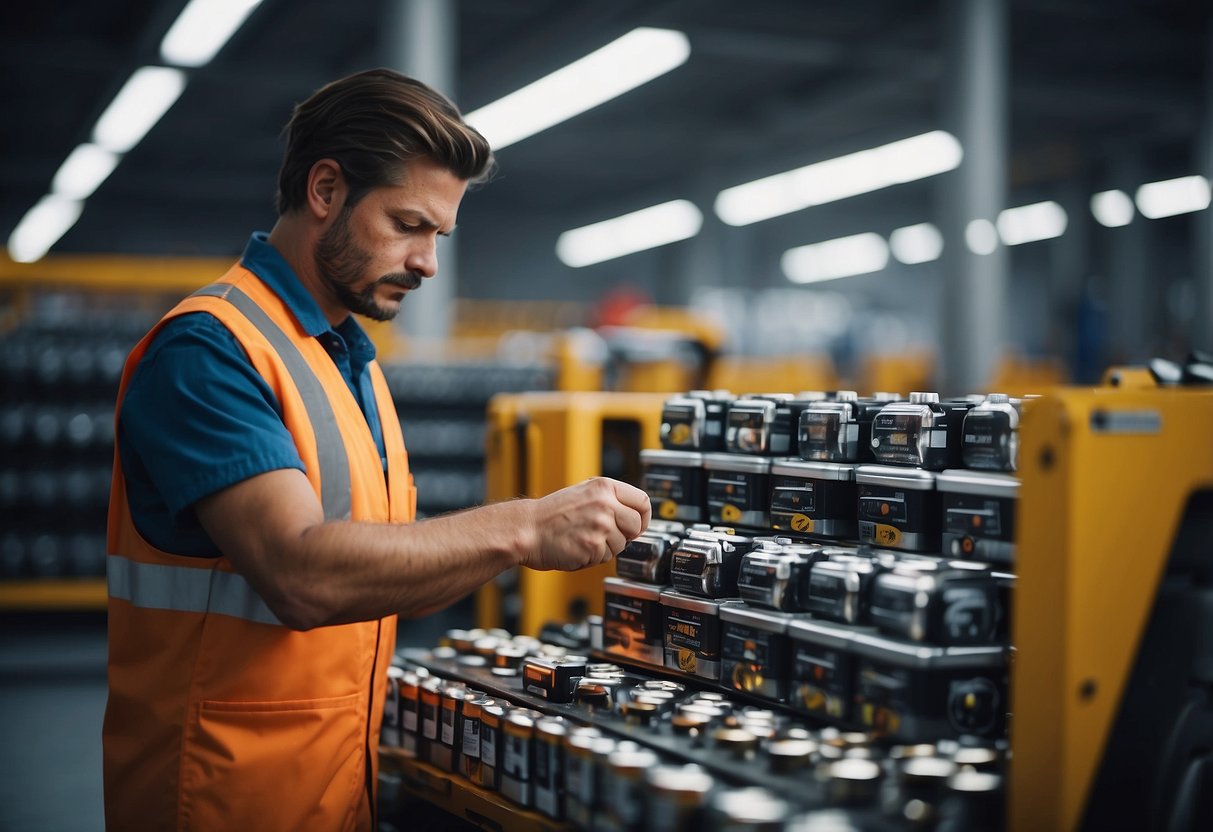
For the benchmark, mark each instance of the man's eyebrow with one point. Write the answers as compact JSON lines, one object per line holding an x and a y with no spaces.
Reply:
{"x":422,"y":219}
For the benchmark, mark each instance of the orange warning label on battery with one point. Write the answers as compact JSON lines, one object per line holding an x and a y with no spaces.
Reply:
{"x":667,"y":510}
{"x":802,"y":523}
{"x":887,"y":535}
{"x":730,"y":513}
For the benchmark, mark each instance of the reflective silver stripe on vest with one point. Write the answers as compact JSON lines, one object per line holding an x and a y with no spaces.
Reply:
{"x":330,"y":447}
{"x":160,"y":587}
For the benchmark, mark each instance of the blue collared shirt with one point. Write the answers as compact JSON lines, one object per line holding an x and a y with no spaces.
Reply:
{"x":197,"y":417}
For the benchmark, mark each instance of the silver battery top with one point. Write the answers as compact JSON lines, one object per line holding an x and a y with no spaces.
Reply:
{"x":833,"y":471}
{"x":979,"y":483}
{"x":678,"y":459}
{"x":629,"y":589}
{"x":912,"y":479}
{"x":738,"y":463}
{"x":924,"y":656}
{"x":765,"y":620}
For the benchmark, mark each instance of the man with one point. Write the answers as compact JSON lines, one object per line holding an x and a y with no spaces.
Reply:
{"x":260,"y":537}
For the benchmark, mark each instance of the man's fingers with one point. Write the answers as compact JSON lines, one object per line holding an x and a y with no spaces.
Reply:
{"x":636,"y":499}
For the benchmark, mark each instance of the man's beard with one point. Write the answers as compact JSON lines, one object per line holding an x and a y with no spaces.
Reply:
{"x":341,"y":264}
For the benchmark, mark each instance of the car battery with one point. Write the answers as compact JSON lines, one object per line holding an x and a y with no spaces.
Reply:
{"x":738,"y":490}
{"x":814,"y":498}
{"x":840,"y":586}
{"x":991,"y":434}
{"x":547,"y":780}
{"x":692,"y":634}
{"x":749,"y":423}
{"x":469,"y":752}
{"x":706,"y":563}
{"x":840,"y":430}
{"x":695,"y":422}
{"x":676,"y":484}
{"x":898,"y":508}
{"x":517,"y":755}
{"x":754,"y":651}
{"x":646,"y":558}
{"x":922,"y":432}
{"x":633,"y":626}
{"x":785,"y":430}
{"x":777,"y":579}
{"x":492,"y":717}
{"x":957,"y":604}
{"x":920,"y":693}
{"x":823,"y":669}
{"x":553,"y":677}
{"x":979,"y":510}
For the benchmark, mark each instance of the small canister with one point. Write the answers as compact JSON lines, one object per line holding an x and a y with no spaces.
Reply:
{"x":840,"y":586}
{"x":738,"y":490}
{"x":445,"y":754}
{"x":899,"y":508}
{"x":851,"y":781}
{"x":751,"y":809}
{"x":491,"y":718}
{"x":695,"y":422}
{"x":675,"y":483}
{"x":389,"y":732}
{"x":431,"y":711}
{"x":814,"y":498}
{"x":923,"y":432}
{"x":624,"y":786}
{"x":410,"y":709}
{"x":579,"y":775}
{"x":692,"y":634}
{"x":754,"y":651}
{"x":472,"y":728}
{"x":823,"y":669}
{"x":677,"y":796}
{"x":778,"y":577}
{"x":979,"y":510}
{"x":956,"y":604}
{"x":546,"y":777}
{"x":791,"y":756}
{"x":518,"y":737}
{"x":991,"y":434}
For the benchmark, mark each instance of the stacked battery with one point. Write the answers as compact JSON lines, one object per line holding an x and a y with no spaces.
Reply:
{"x":607,"y":748}
{"x":851,"y":562}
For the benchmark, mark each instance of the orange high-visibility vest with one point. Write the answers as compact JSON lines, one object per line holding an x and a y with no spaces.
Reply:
{"x":219,"y":717}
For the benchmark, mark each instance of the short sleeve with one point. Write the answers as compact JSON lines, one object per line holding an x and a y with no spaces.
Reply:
{"x":196,"y":418}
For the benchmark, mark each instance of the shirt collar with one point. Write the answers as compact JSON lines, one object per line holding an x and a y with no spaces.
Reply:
{"x":263,"y":260}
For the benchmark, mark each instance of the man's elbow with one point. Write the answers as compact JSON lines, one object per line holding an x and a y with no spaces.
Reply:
{"x":301,"y":610}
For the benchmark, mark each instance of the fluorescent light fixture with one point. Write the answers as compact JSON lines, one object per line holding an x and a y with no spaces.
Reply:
{"x":201,"y":30}
{"x":981,"y":237}
{"x":637,"y":231}
{"x":920,"y":243}
{"x":42,"y":226}
{"x":83,"y":171}
{"x":843,"y":257}
{"x":145,"y":97}
{"x":1156,"y":200}
{"x":1112,"y":209}
{"x":857,"y":173}
{"x":622,"y":65}
{"x":1029,"y":223}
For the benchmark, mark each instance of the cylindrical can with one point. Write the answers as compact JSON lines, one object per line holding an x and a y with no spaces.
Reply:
{"x":445,"y":754}
{"x":491,"y":744}
{"x":410,"y":707}
{"x":676,"y":795}
{"x":389,"y":733}
{"x":470,"y":736}
{"x":518,"y":733}
{"x":751,"y":809}
{"x":624,"y":785}
{"x":431,"y":706}
{"x":791,"y":756}
{"x":851,"y":782}
{"x":579,"y":775}
{"x":548,"y":748}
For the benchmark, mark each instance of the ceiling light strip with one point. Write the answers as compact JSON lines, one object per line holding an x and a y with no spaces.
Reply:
{"x":647,"y":228}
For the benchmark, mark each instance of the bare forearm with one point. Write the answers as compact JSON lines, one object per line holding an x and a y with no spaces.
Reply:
{"x":349,"y":571}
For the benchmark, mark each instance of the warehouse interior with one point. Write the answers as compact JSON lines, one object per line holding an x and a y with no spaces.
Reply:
{"x":1029,"y":209}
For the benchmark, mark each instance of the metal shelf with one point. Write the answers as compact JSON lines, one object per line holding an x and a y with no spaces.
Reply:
{"x":453,"y":794}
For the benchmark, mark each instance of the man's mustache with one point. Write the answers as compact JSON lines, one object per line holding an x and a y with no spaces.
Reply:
{"x":405,"y":280}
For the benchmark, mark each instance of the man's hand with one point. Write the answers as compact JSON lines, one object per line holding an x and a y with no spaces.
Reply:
{"x":585,"y":525}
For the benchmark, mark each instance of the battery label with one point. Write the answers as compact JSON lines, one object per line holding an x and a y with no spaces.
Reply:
{"x":448,"y":726}
{"x":516,"y":762}
{"x":429,"y":720}
{"x":471,"y":738}
{"x":488,"y":744}
{"x":881,"y":534}
{"x":821,"y":679}
{"x":665,"y":484}
{"x":409,"y":718}
{"x":728,"y":488}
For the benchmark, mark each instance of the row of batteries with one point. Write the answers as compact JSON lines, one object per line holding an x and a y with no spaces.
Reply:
{"x":629,"y":770}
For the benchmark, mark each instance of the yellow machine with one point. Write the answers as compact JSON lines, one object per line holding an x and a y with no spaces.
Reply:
{"x":1112,"y":683}
{"x":541,"y":442}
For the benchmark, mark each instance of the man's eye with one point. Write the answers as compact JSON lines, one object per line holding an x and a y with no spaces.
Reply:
{"x":404,"y":227}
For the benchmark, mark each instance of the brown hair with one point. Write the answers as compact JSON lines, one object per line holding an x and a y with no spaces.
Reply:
{"x":373,"y":123}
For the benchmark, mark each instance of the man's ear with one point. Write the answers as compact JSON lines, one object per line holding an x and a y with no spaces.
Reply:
{"x":326,"y":188}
